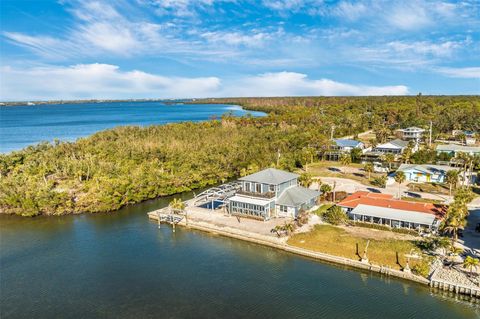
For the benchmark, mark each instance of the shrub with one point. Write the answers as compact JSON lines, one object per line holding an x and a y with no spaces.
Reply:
{"x":380,"y":181}
{"x":322,"y":209}
{"x":335,"y":216}
{"x":422,"y":268}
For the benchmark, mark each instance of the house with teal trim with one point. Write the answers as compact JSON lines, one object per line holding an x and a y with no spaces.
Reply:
{"x":425,"y":173}
{"x":271,"y":193}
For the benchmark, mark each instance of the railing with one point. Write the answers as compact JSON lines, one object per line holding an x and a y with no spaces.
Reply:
{"x":260,"y":195}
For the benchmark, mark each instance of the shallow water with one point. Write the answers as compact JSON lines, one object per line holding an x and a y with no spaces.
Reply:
{"x":21,"y":126}
{"x":120,"y":265}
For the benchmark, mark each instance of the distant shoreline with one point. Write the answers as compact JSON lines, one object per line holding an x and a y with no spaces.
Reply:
{"x":99,"y":101}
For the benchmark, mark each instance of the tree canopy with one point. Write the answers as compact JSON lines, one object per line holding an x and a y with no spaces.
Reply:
{"x":130,"y":164}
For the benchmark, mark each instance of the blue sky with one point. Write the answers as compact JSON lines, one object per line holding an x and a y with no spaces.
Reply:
{"x":185,"y":48}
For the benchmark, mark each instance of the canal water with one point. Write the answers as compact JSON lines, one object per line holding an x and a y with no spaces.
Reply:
{"x":21,"y":126}
{"x":120,"y":265}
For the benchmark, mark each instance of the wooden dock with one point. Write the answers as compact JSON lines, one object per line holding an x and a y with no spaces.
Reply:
{"x":165,"y":215}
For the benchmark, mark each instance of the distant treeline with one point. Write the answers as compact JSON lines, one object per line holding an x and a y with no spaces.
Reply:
{"x":130,"y":164}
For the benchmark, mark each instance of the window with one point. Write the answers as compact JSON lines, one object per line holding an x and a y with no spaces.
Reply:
{"x":258,"y":188}
{"x":247,"y":186}
{"x":271,"y":188}
{"x":283,"y":208}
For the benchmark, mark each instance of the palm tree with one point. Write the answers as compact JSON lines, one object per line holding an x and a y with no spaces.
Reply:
{"x":346,"y":159}
{"x":288,"y":228}
{"x":451,"y":179}
{"x":452,"y":226}
{"x":277,"y":230}
{"x":325,"y":188}
{"x":407,"y":154}
{"x":178,"y":206}
{"x":399,"y":178}
{"x":355,"y":154}
{"x":306,"y":179}
{"x":463,"y":195}
{"x":368,"y":167}
{"x":444,"y":243}
{"x":389,"y":158}
{"x":470,"y":263}
{"x":467,"y":161}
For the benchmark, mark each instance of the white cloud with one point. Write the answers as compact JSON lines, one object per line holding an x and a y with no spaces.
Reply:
{"x":349,"y":10}
{"x":298,"y":84}
{"x":104,"y":81}
{"x":408,"y":55}
{"x":181,"y":8}
{"x":237,"y":38}
{"x":289,"y":5}
{"x":100,"y":29}
{"x":425,"y":48}
{"x":409,"y":16}
{"x":468,"y":73}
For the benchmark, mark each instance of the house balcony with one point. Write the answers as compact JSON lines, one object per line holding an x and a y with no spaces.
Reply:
{"x":266,"y":195}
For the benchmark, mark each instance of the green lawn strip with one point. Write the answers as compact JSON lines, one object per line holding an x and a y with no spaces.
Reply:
{"x":336,"y":241}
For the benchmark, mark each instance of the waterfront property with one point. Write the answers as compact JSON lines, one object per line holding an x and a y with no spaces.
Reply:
{"x":453,"y":149}
{"x":385,"y":210}
{"x":410,"y":133}
{"x":271,"y":193}
{"x":425,"y":173}
{"x":396,"y":147}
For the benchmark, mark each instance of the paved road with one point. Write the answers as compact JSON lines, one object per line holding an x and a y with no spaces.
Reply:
{"x":471,"y":238}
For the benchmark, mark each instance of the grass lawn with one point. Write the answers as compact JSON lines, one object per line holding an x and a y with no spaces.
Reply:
{"x":336,"y":169}
{"x":336,"y":241}
{"x":428,"y":188}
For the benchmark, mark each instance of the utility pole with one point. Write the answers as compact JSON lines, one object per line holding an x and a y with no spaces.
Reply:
{"x":430,"y":138}
{"x":278,"y":157}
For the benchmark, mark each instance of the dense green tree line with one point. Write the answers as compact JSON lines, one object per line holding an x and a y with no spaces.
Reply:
{"x":129,"y":164}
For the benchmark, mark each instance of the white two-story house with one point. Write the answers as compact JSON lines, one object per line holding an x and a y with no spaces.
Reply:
{"x":271,"y":193}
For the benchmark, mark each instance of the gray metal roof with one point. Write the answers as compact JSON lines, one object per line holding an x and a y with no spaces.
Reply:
{"x":412,"y":129}
{"x":397,"y":142}
{"x":347,"y":143}
{"x":427,"y":168}
{"x":458,"y":148}
{"x":295,"y":196}
{"x":270,"y":176}
{"x":395,"y":214}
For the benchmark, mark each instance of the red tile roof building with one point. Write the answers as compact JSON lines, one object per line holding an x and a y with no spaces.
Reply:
{"x":384,"y":209}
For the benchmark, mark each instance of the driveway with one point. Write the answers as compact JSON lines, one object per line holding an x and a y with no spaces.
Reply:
{"x":351,"y":186}
{"x":471,"y":238}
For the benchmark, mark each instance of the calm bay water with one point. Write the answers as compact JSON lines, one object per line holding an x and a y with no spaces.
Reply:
{"x":21,"y":126}
{"x":120,"y":265}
